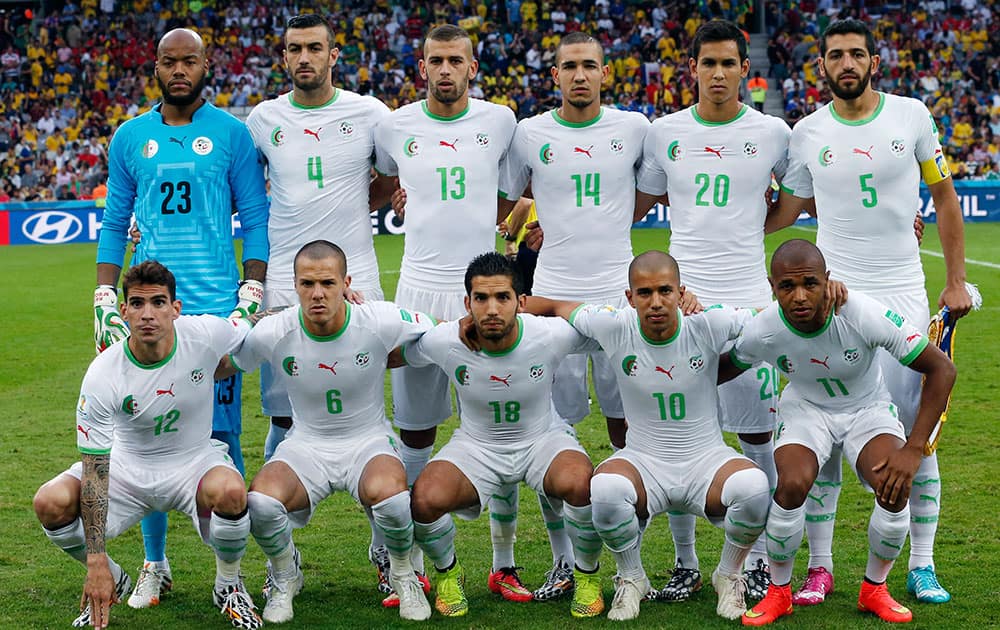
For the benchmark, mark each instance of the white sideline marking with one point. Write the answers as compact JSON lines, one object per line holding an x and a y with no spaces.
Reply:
{"x":928,"y":252}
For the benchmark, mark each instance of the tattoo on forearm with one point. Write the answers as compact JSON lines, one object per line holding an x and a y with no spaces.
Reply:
{"x":94,"y":500}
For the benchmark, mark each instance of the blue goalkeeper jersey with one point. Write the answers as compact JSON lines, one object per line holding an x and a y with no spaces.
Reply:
{"x":182,"y":184}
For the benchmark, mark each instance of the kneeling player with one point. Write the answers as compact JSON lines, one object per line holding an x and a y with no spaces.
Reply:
{"x":331,"y":357}
{"x":675,"y":459}
{"x":508,"y":433}
{"x":144,"y":422}
{"x":837,"y":397}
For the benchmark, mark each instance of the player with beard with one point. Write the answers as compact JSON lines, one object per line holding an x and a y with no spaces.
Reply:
{"x":318,"y":143}
{"x":180,"y":170}
{"x":857,"y":163}
{"x":447,"y":152}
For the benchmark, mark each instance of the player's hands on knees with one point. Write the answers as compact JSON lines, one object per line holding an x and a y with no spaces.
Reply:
{"x":956,"y":297}
{"x":354,"y":297}
{"x":98,"y":591}
{"x":109,"y":326}
{"x":467,"y":333}
{"x":534,"y":236}
{"x":689,"y":303}
{"x":896,"y":474}
{"x":399,"y":202}
{"x":836,"y":295}
{"x":918,"y":228}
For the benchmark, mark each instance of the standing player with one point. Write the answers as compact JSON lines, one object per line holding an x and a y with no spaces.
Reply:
{"x":143,"y":428}
{"x":318,"y":142}
{"x":446,"y":151}
{"x":330,"y":357}
{"x":714,"y":160}
{"x":181,"y":169}
{"x":676,"y":460}
{"x":858,"y":162}
{"x":507,"y":432}
{"x":580,"y":161}
{"x":836,"y":397}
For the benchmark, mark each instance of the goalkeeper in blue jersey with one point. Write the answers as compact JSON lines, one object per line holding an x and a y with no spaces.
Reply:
{"x":182,"y":169}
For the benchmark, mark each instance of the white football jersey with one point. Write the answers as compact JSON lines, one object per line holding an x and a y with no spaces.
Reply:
{"x":449,"y":168}
{"x":319,"y":162}
{"x":335,"y":383}
{"x":715,"y":175}
{"x":833,"y":368}
{"x":669,"y":388}
{"x":504,"y":398}
{"x":161,"y":411}
{"x":865,"y":176}
{"x":582,"y":176}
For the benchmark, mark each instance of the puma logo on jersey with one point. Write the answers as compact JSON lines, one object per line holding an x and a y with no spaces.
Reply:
{"x":180,"y":142}
{"x":314,"y":134}
{"x":169,"y":390}
{"x":667,"y":372}
{"x":818,"y":362}
{"x":912,"y":337}
{"x":584,"y":151}
{"x":324,"y":366}
{"x":85,"y":432}
{"x":715,"y":152}
{"x":867,"y":154}
{"x":450,"y":145}
{"x":501,"y":379}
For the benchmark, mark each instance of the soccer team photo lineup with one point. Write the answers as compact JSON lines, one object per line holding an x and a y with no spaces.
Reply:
{"x":548,"y":386}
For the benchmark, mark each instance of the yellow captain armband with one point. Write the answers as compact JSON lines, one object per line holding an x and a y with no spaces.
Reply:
{"x":935,"y":169}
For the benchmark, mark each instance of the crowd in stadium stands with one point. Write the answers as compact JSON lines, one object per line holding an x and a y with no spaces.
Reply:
{"x":945,"y":54}
{"x":70,"y":77}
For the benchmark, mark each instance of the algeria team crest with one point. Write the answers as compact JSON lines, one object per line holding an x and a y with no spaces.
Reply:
{"x":277,"y":136}
{"x":410,"y":147}
{"x":150,"y":148}
{"x":827,"y":156}
{"x":674,"y":151}
{"x":546,"y":154}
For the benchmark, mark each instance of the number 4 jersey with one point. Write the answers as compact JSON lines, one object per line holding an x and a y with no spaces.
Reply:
{"x":319,"y":163}
{"x":834,"y":367}
{"x":158,"y":412}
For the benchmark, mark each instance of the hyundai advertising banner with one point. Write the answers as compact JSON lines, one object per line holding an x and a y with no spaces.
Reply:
{"x":57,"y":222}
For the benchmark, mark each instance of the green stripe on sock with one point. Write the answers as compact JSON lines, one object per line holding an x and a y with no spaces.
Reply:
{"x":503,"y":518}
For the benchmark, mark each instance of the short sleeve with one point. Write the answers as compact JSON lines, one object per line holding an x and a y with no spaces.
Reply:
{"x":515,"y":169}
{"x":652,"y":179}
{"x":797,"y":179}
{"x":398,"y":326}
{"x":384,"y":162}
{"x":259,"y":343}
{"x":566,"y":339}
{"x":784,"y":132}
{"x":726,"y":323}
{"x":927,"y":144}
{"x":599,"y":322}
{"x":95,"y":413}
{"x":748,"y":348}
{"x":432,"y":347}
{"x":882,"y":326}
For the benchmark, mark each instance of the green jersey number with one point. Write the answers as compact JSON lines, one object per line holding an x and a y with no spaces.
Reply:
{"x":768,"y":382}
{"x":587,"y":185}
{"x":828,"y":384}
{"x":452,"y":182}
{"x":165,"y":423}
{"x":720,"y":189}
{"x":866,"y":187}
{"x":509,"y":411}
{"x":671,"y":407}
{"x":314,"y":170}
{"x":333,"y":404}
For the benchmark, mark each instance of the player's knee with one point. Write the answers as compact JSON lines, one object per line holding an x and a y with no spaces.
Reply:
{"x":55,"y":504}
{"x":427,"y":503}
{"x":264,"y":510}
{"x":612,"y":488}
{"x":748,"y":489}
{"x":230,"y":496}
{"x":792,"y":490}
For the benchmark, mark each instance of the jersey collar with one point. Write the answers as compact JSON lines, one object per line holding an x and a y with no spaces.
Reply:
{"x":433,"y":116}
{"x":665,"y":342}
{"x":517,"y":342}
{"x":151,"y":366}
{"x":576,"y":125}
{"x":805,"y":335}
{"x":347,"y":320}
{"x":710,"y":123}
{"x":863,"y":121}
{"x":291,"y":100}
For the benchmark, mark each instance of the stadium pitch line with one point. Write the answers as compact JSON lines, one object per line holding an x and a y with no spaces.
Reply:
{"x":928,"y":252}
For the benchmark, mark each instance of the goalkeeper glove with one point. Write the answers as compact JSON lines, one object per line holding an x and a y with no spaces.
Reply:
{"x":250,"y":296}
{"x":109,"y":327}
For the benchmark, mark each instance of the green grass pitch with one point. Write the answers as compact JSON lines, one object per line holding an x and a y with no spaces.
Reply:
{"x":47,"y":344}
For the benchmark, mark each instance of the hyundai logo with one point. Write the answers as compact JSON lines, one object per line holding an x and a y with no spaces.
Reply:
{"x":52,"y":227}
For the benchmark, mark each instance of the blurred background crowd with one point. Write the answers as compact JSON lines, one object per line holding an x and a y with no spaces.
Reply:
{"x":72,"y":74}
